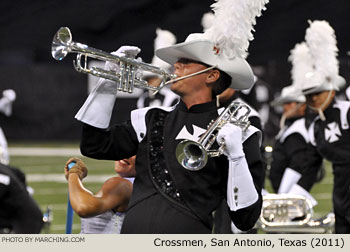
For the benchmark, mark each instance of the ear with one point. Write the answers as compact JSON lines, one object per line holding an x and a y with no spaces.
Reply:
{"x":213,"y":76}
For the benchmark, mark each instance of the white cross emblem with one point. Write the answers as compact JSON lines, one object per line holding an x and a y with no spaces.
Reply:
{"x":332,"y":132}
{"x":184,"y":134}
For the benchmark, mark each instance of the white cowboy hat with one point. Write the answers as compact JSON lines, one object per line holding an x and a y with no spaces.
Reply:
{"x":289,"y":94}
{"x":200,"y":48}
{"x":321,"y":40}
{"x":318,"y":84}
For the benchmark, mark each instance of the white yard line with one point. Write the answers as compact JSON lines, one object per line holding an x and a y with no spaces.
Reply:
{"x":49,"y":151}
{"x":322,"y":196}
{"x":60,"y":178}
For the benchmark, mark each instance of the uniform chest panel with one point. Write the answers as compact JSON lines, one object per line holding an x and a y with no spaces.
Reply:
{"x":332,"y":141}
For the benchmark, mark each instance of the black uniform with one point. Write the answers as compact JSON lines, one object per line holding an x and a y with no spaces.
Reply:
{"x":166,"y":197}
{"x":19,"y":213}
{"x":293,"y":150}
{"x":332,"y":140}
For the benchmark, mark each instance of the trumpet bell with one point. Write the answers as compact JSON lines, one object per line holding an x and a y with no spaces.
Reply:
{"x":60,"y":43}
{"x":191,"y":155}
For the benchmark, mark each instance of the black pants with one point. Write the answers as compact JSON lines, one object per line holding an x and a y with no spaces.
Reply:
{"x":157,"y":215}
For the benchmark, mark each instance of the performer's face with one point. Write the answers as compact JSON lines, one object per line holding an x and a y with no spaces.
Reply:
{"x":125,"y":167}
{"x":320,"y":100}
{"x":189,"y":85}
{"x":293,"y":109}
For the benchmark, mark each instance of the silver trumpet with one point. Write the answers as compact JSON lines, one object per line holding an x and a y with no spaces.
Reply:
{"x":126,"y":78}
{"x":193,"y":155}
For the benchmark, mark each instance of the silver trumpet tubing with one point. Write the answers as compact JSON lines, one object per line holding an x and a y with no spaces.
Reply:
{"x":127,"y":77}
{"x":287,"y":213}
{"x":193,"y":155}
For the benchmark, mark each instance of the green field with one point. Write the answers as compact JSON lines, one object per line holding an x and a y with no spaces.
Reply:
{"x":52,"y":191}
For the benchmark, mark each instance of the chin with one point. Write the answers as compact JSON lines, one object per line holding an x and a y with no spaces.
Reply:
{"x":174,"y":88}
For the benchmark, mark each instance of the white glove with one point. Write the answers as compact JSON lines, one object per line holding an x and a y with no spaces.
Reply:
{"x":98,"y":107}
{"x":298,"y":190}
{"x":241,"y":191}
{"x":290,"y":177}
{"x":231,"y":135}
{"x":9,"y":96}
{"x":124,"y":51}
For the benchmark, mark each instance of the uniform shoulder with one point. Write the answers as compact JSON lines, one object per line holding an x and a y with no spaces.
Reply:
{"x":297,"y":127}
{"x":138,"y":119}
{"x":253,"y":112}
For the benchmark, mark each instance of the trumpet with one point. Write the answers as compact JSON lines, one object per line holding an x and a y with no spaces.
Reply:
{"x":193,"y":155}
{"x":127,"y":77}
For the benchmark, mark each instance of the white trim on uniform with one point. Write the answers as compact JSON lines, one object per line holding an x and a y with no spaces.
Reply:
{"x":297,"y":126}
{"x":138,"y":119}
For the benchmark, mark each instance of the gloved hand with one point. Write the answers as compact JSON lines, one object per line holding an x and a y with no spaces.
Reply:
{"x":79,"y":168}
{"x":10,"y":94}
{"x":231,"y":135}
{"x":124,"y":51}
{"x":98,"y":107}
{"x":108,"y":86}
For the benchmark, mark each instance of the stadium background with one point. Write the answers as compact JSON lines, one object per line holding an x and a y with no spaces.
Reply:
{"x":49,"y":93}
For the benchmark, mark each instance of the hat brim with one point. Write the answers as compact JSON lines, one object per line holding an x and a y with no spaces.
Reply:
{"x":279,"y":101}
{"x":289,"y":94}
{"x":338,"y":83}
{"x":201,"y":50}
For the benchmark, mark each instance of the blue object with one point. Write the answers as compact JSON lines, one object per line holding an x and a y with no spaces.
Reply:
{"x":69,"y":220}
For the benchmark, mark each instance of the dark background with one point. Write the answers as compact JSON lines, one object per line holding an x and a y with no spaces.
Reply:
{"x":49,"y":93}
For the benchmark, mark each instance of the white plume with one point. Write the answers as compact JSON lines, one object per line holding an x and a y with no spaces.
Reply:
{"x":320,"y":38}
{"x":233,"y":25}
{"x":207,"y":20}
{"x":164,"y":38}
{"x":301,"y":64}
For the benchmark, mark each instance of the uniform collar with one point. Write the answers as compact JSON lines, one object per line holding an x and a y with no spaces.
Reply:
{"x":290,"y":121}
{"x":198,"y":108}
{"x":329,"y":110}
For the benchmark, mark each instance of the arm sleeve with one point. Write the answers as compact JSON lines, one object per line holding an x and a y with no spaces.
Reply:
{"x":311,"y":168}
{"x":256,"y":122}
{"x":245,"y":218}
{"x":3,"y":190}
{"x":296,"y":152}
{"x":278,"y":165}
{"x":115,"y":143}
